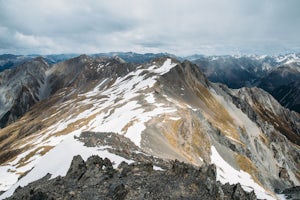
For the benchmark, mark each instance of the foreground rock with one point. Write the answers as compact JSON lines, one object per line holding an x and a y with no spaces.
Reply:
{"x":292,"y":193}
{"x":97,"y":179}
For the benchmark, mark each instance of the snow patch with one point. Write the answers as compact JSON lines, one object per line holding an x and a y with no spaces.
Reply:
{"x":227,"y":174}
{"x":158,"y":168}
{"x":281,"y":196}
{"x":150,"y":98}
{"x":175,"y":118}
{"x":166,"y":67}
{"x":57,"y":161}
{"x":7,"y":178}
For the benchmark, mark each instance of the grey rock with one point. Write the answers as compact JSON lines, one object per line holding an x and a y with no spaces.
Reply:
{"x":134,"y":181}
{"x":77,"y":169}
{"x":238,"y":193}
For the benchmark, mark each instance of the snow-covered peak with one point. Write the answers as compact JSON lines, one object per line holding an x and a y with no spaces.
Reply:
{"x":164,"y":68}
{"x":286,"y":59}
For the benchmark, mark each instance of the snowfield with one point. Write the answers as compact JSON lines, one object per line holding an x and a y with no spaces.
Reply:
{"x":58,"y":160}
{"x":227,"y":174}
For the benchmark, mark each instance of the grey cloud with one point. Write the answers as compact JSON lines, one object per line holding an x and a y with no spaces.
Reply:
{"x":176,"y":26}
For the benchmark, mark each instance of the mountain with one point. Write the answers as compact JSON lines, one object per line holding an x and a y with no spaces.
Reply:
{"x":271,"y":73}
{"x":56,"y":58}
{"x":236,"y":71}
{"x":160,"y":110}
{"x":132,"y":57}
{"x":20,"y":89}
{"x":280,"y":76}
{"x":289,"y":95}
{"x":8,"y":61}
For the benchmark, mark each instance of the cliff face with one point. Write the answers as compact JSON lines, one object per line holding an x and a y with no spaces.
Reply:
{"x":20,"y":89}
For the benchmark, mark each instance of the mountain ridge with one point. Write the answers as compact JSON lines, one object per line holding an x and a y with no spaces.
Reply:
{"x":167,"y":108}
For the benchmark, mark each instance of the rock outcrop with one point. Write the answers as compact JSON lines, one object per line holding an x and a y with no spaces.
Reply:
{"x":97,"y":179}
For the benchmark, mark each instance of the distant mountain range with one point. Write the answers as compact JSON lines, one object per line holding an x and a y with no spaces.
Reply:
{"x":8,"y":61}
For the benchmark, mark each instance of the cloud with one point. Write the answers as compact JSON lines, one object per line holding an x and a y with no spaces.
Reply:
{"x":175,"y":26}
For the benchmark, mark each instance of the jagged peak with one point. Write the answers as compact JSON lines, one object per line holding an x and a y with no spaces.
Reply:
{"x":189,"y":69}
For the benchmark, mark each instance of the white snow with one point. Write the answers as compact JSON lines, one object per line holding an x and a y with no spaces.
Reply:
{"x":158,"y":168}
{"x":7,"y":179}
{"x":127,"y":111}
{"x":281,"y":196}
{"x":131,"y":112}
{"x":227,"y":174}
{"x":58,"y":160}
{"x":201,"y":159}
{"x":150,"y":98}
{"x":114,"y":110}
{"x":281,"y":58}
{"x":175,"y":118}
{"x":289,"y":58}
{"x":95,"y":90}
{"x":166,"y":67}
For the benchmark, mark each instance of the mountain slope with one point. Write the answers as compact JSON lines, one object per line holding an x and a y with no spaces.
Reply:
{"x":167,"y":109}
{"x":235,"y":72}
{"x":282,"y":75}
{"x":20,"y":89}
{"x":289,"y":95}
{"x":269,"y":73}
{"x":9,"y":61}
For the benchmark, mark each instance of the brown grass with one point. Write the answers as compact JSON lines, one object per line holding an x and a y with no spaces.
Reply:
{"x":264,"y":139}
{"x":278,"y":122}
{"x":246,"y":165}
{"x":125,"y":128}
{"x":219,"y":116}
{"x":187,"y":137}
{"x":297,"y":174}
{"x":24,"y":161}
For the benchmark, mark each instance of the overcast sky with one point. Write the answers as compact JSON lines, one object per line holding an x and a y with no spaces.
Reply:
{"x":181,"y":27}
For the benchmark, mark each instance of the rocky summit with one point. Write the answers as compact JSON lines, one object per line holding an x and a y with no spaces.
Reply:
{"x":98,"y":179}
{"x":229,"y":143}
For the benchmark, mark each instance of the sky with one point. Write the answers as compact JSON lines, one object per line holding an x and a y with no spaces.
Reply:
{"x":181,"y":27}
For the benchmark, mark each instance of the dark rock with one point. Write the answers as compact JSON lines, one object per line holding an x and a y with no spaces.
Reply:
{"x":77,"y":169}
{"x":97,"y":179}
{"x":38,"y":195}
{"x":283,"y":174}
{"x":212,"y":172}
{"x":117,"y":191}
{"x":252,"y":196}
{"x":292,"y":193}
{"x":238,"y":192}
